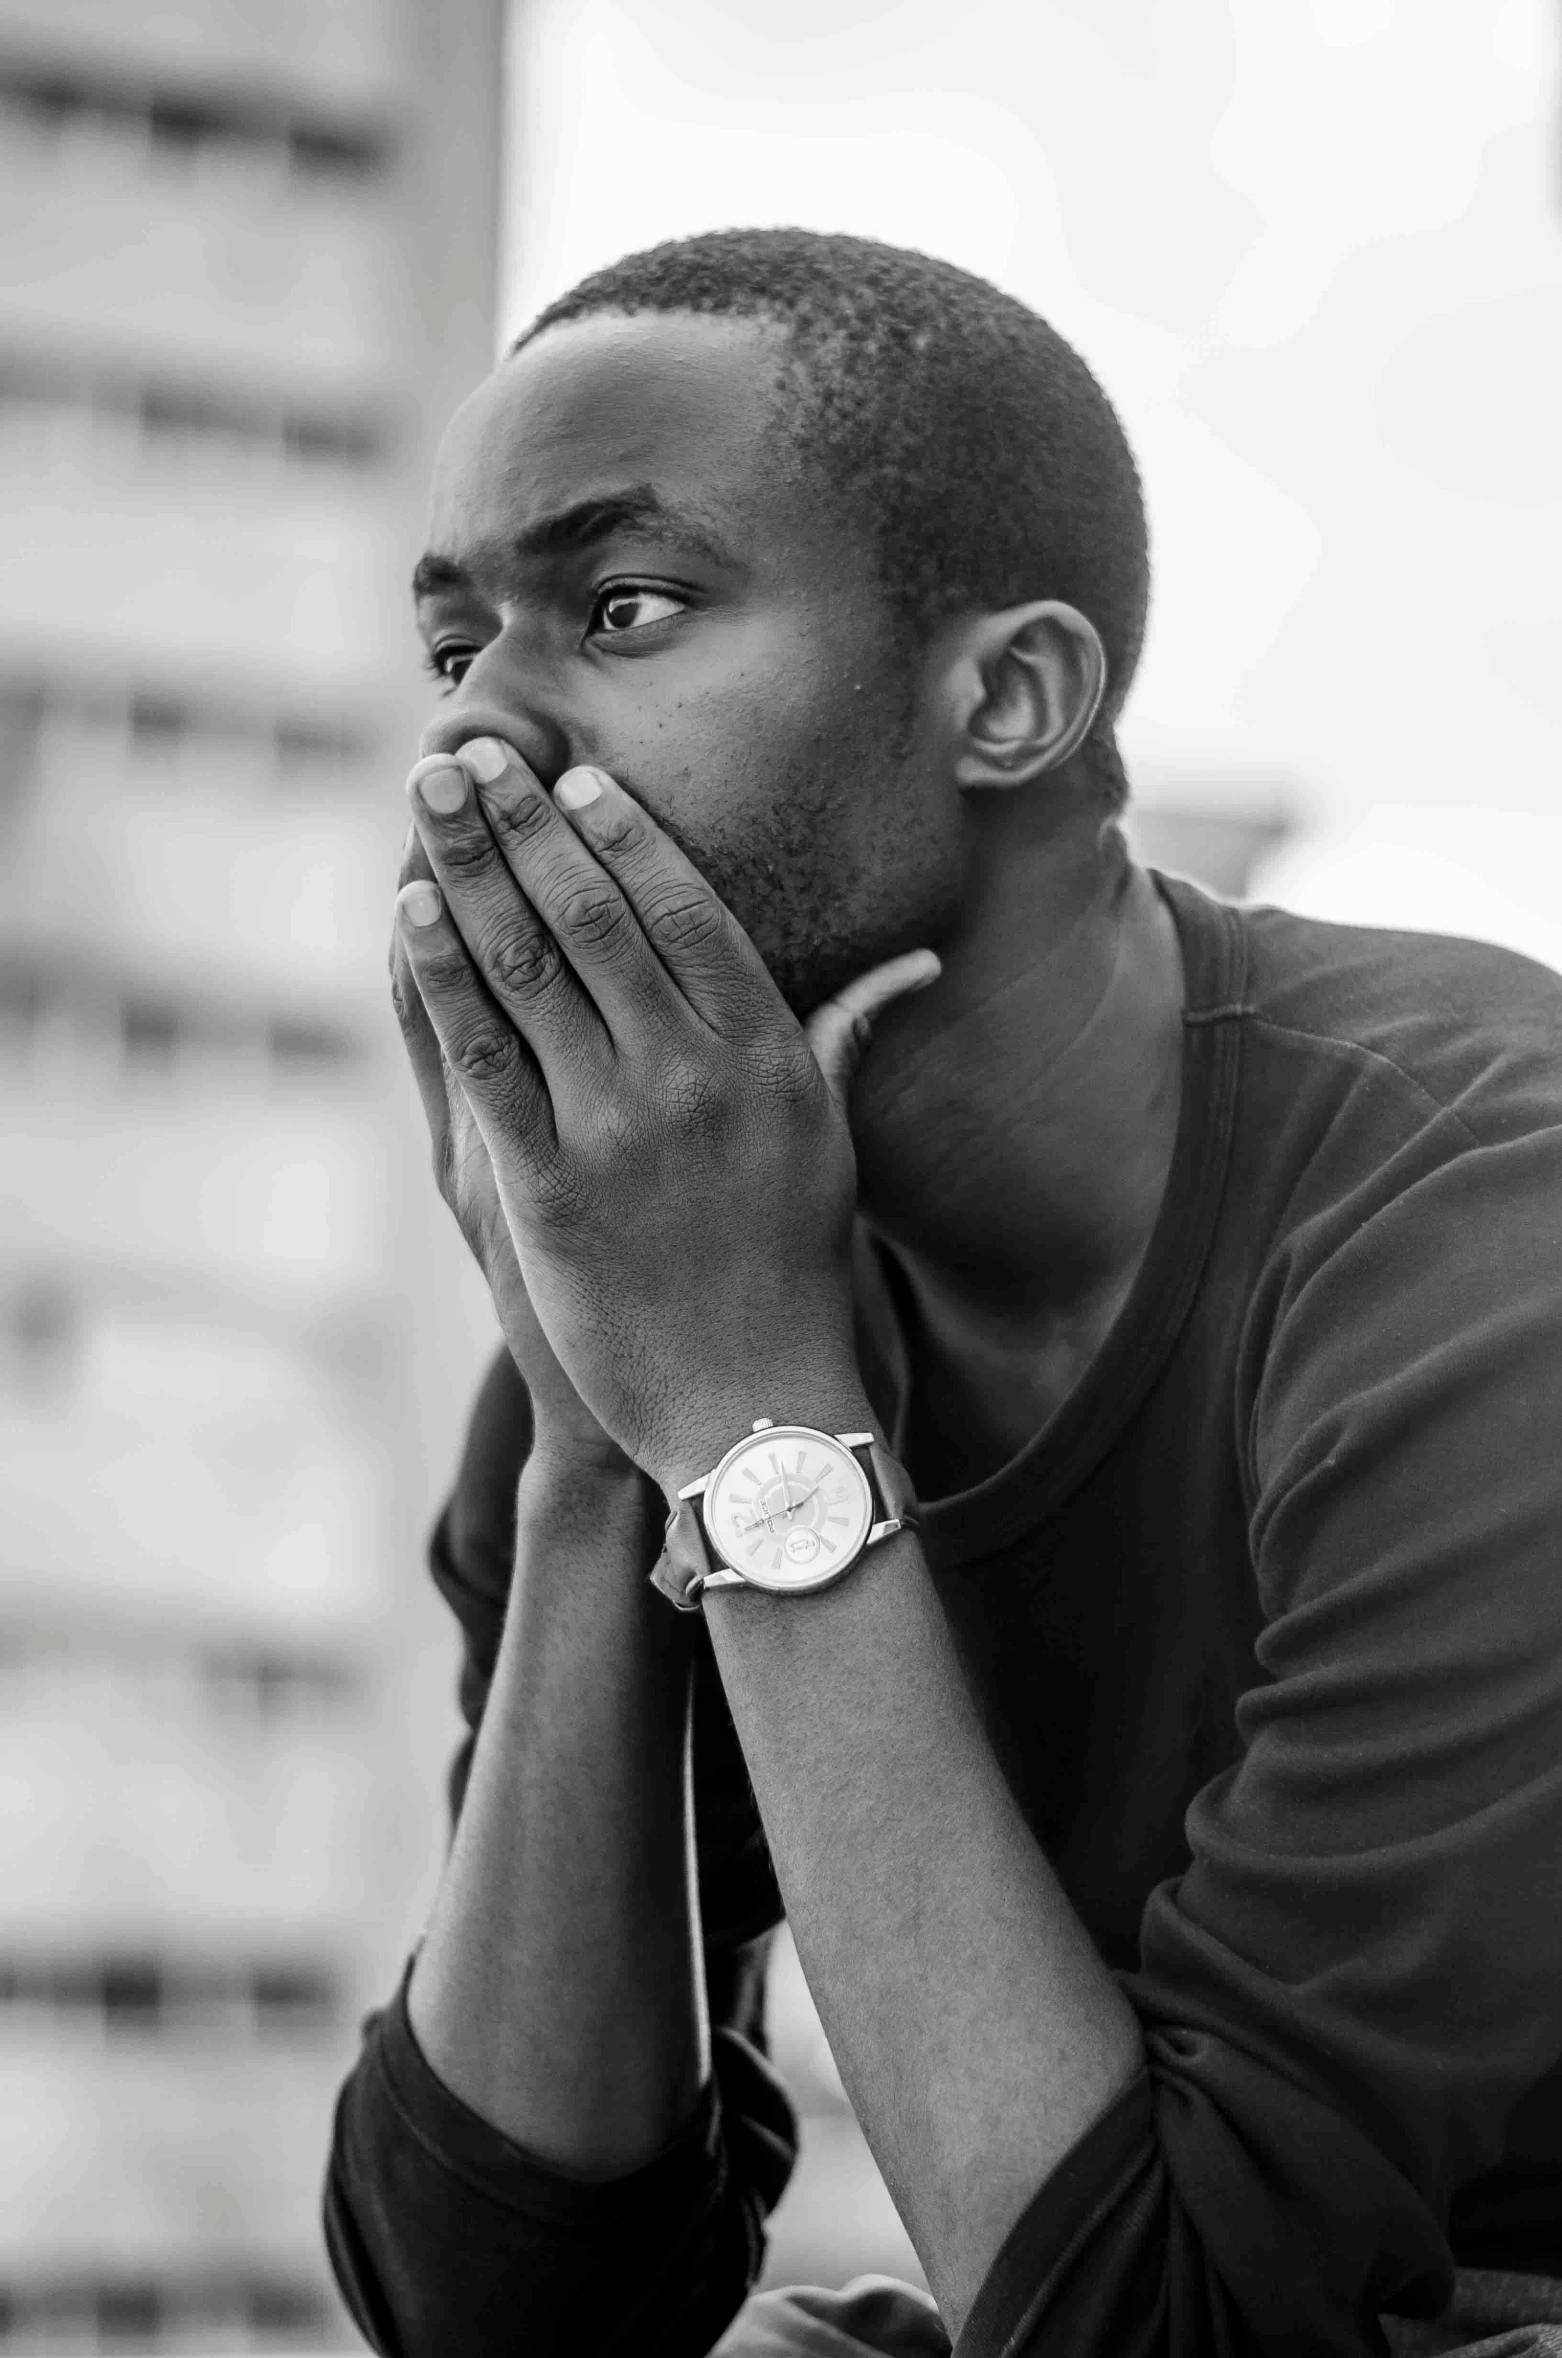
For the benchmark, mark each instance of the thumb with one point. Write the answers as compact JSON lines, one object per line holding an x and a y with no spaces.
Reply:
{"x":839,"y":1031}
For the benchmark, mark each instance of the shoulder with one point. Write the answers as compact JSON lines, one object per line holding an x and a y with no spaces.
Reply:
{"x":1393,"y":1191}
{"x":1458,"y":1026}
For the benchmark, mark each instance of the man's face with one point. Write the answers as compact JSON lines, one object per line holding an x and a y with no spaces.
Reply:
{"x":628,"y":567}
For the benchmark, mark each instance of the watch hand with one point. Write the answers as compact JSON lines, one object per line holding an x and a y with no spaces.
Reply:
{"x":787,"y":1506}
{"x":793,"y":1504}
{"x":790,"y":1507}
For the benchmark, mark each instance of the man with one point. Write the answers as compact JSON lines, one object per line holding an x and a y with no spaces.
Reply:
{"x":1165,"y":1788}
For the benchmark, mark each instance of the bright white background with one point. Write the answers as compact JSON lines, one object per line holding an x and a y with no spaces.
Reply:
{"x":1314,"y":250}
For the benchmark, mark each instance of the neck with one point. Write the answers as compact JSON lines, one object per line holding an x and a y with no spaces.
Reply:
{"x":1015,"y":1123}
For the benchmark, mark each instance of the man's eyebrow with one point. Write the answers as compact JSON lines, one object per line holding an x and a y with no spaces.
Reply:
{"x":432,"y":573}
{"x":641,"y":508}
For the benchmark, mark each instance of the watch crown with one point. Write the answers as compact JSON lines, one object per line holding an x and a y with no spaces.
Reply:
{"x":763,"y":1423}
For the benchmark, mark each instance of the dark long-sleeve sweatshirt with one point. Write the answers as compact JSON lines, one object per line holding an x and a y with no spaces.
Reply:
{"x":1266,"y":1630}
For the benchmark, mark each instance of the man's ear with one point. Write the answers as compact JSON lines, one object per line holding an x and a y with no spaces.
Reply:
{"x":1026,"y":686}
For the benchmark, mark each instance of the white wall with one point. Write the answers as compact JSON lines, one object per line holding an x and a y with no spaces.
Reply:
{"x":1313,"y":247}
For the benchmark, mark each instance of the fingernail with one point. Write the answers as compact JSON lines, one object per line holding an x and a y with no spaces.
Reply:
{"x":578,"y":787}
{"x":440,"y":781}
{"x":421,"y":903}
{"x":485,"y":757}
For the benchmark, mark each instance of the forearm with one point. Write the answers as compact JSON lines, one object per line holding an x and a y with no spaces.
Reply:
{"x":558,"y":1988}
{"x":976,"y":2028}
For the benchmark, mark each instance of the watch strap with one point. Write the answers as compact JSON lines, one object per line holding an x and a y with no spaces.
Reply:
{"x":684,"y":1565}
{"x":689,"y":1564}
{"x":893,"y":1484}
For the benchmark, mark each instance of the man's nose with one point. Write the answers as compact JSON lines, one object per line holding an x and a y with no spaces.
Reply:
{"x":529,"y":736}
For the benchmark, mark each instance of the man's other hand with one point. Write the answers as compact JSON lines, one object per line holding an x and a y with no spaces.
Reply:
{"x":565,"y":1430}
{"x":670,"y":1157}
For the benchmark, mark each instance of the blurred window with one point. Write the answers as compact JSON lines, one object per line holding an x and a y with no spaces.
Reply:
{"x":179,"y":128}
{"x":115,"y":1995}
{"x":42,"y":1002}
{"x":127,"y":2314}
{"x":166,"y":728}
{"x":169,"y":416}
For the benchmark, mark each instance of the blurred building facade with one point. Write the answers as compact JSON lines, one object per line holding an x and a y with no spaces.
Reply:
{"x":248,"y":269}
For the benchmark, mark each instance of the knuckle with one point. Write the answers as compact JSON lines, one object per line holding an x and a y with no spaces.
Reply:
{"x":521,"y":819}
{"x":466,"y":851}
{"x":485,"y":1055}
{"x":616,"y":830}
{"x":523,"y":963}
{"x":445,"y":974}
{"x":692,"y":1099}
{"x":615,"y":1131}
{"x":593,"y":916}
{"x":682,"y":919}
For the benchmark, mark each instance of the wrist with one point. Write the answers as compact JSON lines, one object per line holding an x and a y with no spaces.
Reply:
{"x":575,"y":1449}
{"x":829,"y":1397}
{"x":566,"y":1475}
{"x":580,"y":1528}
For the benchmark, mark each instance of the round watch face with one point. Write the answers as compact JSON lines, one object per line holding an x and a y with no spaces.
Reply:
{"x":789,"y":1508}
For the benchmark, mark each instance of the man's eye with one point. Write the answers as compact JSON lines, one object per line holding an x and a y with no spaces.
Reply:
{"x":450,"y":662}
{"x":628,"y":606}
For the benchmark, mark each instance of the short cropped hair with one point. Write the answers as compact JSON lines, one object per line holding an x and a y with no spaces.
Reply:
{"x":973,"y":446}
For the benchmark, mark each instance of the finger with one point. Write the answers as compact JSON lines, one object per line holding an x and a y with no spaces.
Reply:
{"x":495,"y":1068}
{"x":839,"y":1031}
{"x":414,"y":860}
{"x":419,"y":1038}
{"x":517,"y":954}
{"x":424,"y":1053}
{"x":585,"y":912}
{"x":694,"y":935}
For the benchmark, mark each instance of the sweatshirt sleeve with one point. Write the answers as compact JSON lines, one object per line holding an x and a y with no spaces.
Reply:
{"x":1356,"y":1978}
{"x":445,"y":2235}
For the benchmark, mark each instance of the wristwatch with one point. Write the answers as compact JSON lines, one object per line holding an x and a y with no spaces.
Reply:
{"x":788,"y":1509}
